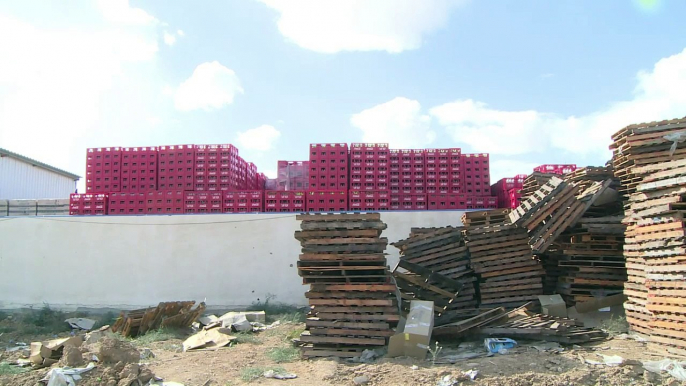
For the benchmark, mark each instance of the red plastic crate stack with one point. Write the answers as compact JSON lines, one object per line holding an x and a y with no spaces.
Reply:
{"x":327,"y":201}
{"x":401,"y":201}
{"x":369,"y":166}
{"x":165,"y":202}
{"x":122,"y":203}
{"x":455,"y":172}
{"x":261,"y":181}
{"x":176,"y":167}
{"x":139,"y":169}
{"x":477,"y":175}
{"x":284,"y":201}
{"x":329,"y":163}
{"x":555,"y":169}
{"x":446,"y":201}
{"x":243,"y":201}
{"x":369,"y":200}
{"x":88,"y":204}
{"x":481,"y":202}
{"x":103,"y":170}
{"x":508,"y":191}
{"x":228,"y":164}
{"x":292,"y":175}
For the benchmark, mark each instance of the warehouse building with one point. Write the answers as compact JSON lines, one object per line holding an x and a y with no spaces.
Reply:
{"x":25,"y":178}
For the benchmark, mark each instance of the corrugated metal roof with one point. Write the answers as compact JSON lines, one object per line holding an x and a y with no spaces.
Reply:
{"x":7,"y":153}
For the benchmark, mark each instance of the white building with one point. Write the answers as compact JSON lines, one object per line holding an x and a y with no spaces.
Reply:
{"x":24,"y":178}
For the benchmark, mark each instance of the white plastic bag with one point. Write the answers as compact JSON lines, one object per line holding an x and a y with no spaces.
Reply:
{"x":677,"y":137}
{"x":674,"y":368}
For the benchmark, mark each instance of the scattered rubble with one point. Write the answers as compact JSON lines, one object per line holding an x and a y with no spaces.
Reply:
{"x":169,"y":314}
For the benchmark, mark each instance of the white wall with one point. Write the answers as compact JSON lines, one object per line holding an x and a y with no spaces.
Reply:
{"x":124,"y":262}
{"x":19,"y":180}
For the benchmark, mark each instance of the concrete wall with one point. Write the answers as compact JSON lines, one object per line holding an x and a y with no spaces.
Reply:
{"x":127,"y":262}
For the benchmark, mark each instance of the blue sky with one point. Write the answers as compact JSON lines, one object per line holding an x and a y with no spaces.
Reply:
{"x":531,"y":82}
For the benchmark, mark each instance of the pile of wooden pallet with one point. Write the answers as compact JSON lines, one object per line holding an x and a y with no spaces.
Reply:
{"x":553,"y":208}
{"x":485,"y":217}
{"x":501,"y":256}
{"x":443,"y":253}
{"x":592,"y":260}
{"x":353,"y":305}
{"x":649,"y":160}
{"x":418,"y":283}
{"x":533,"y":182}
{"x":167,"y":314}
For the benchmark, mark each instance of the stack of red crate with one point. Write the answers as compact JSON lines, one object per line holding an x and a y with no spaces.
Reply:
{"x":446,"y":201}
{"x":477,"y":175}
{"x":165,"y":202}
{"x":328,"y":167}
{"x":243,"y":201}
{"x":327,"y":201}
{"x":369,"y":166}
{"x":203,"y":202}
{"x":284,"y":201}
{"x":369,"y":200}
{"x":103,"y":170}
{"x":431,"y":157}
{"x":261,"y":181}
{"x":455,"y":173}
{"x":292,"y":175}
{"x":508,"y":191}
{"x":139,"y":169}
{"x":481,"y":202}
{"x":88,"y":204}
{"x":176,"y":167}
{"x":400,"y":201}
{"x":394,"y":170}
{"x":228,"y":164}
{"x":121,"y":203}
{"x":555,"y":169}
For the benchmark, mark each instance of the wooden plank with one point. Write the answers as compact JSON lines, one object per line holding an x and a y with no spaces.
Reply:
{"x":339,"y":217}
{"x":342,"y":340}
{"x":352,"y":325}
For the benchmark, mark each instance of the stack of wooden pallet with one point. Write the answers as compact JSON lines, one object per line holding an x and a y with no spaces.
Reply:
{"x":485,"y":217}
{"x":649,"y":160}
{"x":592,"y":260}
{"x":501,"y":256}
{"x":167,"y":314}
{"x":353,"y":304}
{"x":533,"y":182}
{"x":418,"y":283}
{"x":553,"y":208}
{"x":443,"y":252}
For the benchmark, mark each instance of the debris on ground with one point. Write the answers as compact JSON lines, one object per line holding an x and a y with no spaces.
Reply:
{"x":212,"y":339}
{"x":65,"y":376}
{"x":115,"y":351}
{"x":278,"y":375}
{"x":47,"y":353}
{"x":675,"y":368}
{"x":81,"y":323}
{"x":169,"y":314}
{"x":497,"y":345}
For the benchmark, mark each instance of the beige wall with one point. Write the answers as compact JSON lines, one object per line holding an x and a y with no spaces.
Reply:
{"x":136,"y":261}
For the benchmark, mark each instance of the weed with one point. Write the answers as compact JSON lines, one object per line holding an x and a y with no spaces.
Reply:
{"x":283,"y":354}
{"x":6,"y":369}
{"x":247,"y":337}
{"x":294,"y":334}
{"x":250,"y":374}
{"x":160,"y":335}
{"x":277,"y":310}
{"x":615,"y":326}
{"x":434,"y":352}
{"x":46,"y":320}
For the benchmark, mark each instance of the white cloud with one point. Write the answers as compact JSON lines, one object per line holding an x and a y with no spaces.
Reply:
{"x":65,"y":85}
{"x":659,"y":94}
{"x":180,"y":33}
{"x":119,"y":11}
{"x":399,"y":121}
{"x":261,"y":138}
{"x":547,"y":75}
{"x":169,"y":39}
{"x":331,"y":26}
{"x":212,"y":86}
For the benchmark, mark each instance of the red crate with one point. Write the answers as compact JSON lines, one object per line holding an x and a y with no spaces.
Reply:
{"x":284,"y":201}
{"x":445,"y":201}
{"x":327,"y":201}
{"x":556,"y":168}
{"x":103,"y":170}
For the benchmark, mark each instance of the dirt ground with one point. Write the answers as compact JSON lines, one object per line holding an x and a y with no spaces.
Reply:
{"x":236,"y":365}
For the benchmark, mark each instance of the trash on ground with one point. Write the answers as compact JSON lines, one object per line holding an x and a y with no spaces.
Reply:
{"x":497,"y":345}
{"x":81,"y":323}
{"x":257,"y":326}
{"x":471,"y":374}
{"x":548,"y":347}
{"x":170,"y":314}
{"x":209,"y":339}
{"x":675,"y":368}
{"x":237,"y":321}
{"x":367,"y":356}
{"x":448,"y":380}
{"x":147,"y":353}
{"x":45,"y":354}
{"x":65,"y":376}
{"x":277,"y":375}
{"x":361,"y":380}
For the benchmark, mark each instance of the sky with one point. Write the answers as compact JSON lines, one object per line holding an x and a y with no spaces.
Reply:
{"x":531,"y":82}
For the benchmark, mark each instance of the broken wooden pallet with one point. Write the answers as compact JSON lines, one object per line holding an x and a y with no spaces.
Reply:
{"x":166,"y":314}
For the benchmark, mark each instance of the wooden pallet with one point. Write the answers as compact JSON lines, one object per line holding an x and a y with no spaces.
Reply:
{"x":166,"y":314}
{"x":485,"y":217}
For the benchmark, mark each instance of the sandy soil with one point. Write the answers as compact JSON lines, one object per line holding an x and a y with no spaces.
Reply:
{"x":525,"y":365}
